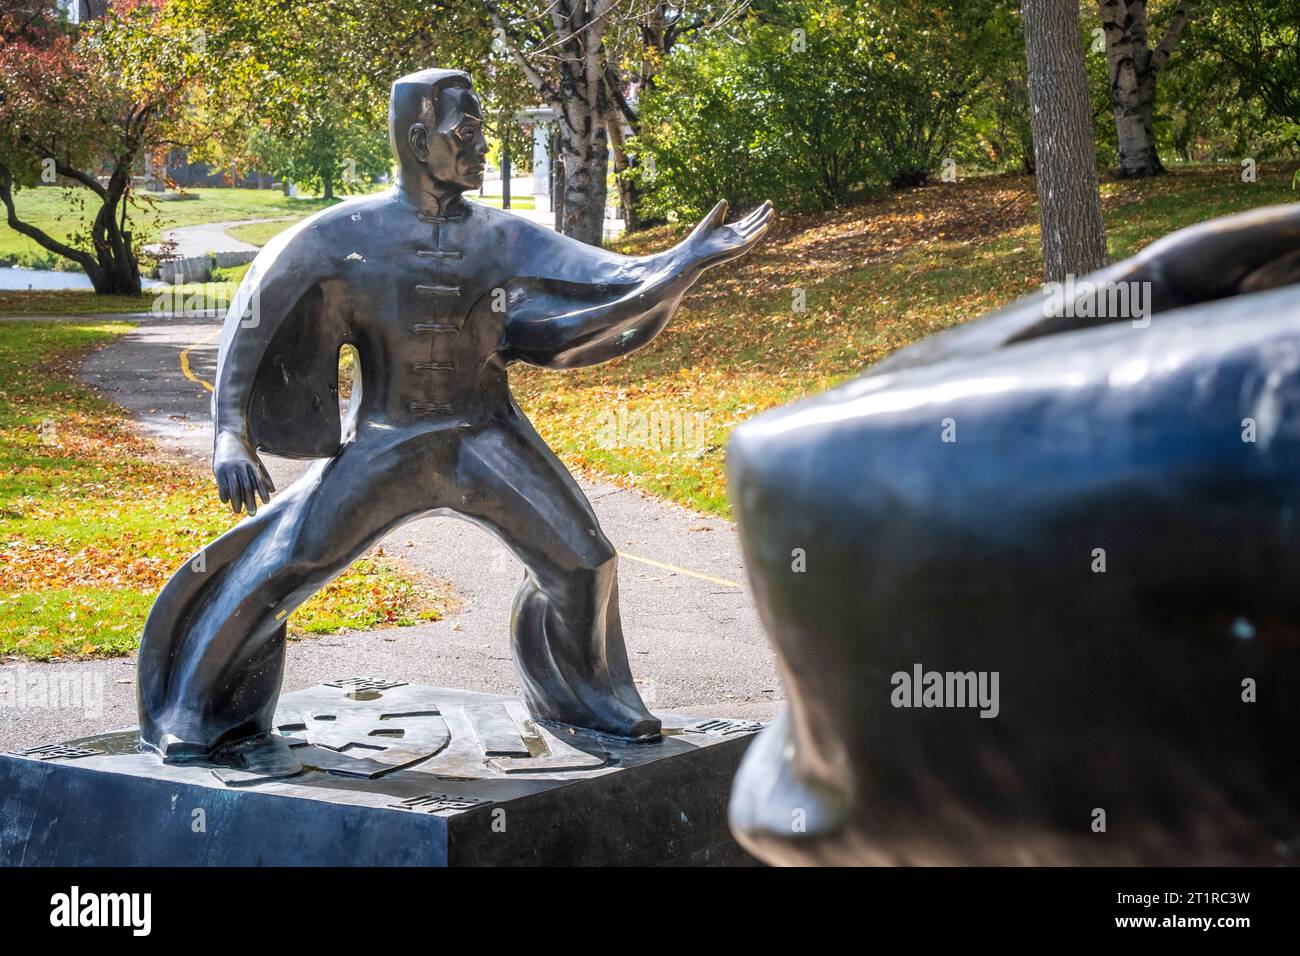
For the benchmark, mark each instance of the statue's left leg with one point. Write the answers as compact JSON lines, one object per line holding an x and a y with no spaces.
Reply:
{"x":568,"y":636}
{"x":213,"y":651}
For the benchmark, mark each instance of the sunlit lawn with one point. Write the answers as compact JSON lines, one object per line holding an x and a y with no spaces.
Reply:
{"x":62,"y":212}
{"x":93,"y":521}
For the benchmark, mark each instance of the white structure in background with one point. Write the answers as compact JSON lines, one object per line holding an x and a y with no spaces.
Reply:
{"x":76,"y":11}
{"x":542,"y":119}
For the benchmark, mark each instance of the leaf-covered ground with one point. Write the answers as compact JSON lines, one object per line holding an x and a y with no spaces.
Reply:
{"x":821,"y":299}
{"x":93,"y":521}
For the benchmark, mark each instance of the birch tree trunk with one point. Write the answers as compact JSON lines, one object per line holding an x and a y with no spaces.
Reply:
{"x":560,"y":48}
{"x":1133,"y":68}
{"x":627,"y":191}
{"x":557,"y":183}
{"x":1069,"y":200}
{"x":584,"y":147}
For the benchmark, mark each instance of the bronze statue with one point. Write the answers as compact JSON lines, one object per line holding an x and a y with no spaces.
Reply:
{"x":439,"y":296}
{"x":1032,"y":581}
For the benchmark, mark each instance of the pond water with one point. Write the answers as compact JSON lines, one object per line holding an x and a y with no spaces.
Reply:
{"x":15,"y":278}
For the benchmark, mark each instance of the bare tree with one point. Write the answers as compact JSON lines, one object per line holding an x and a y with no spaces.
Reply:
{"x":1133,"y":67}
{"x":1069,"y":199}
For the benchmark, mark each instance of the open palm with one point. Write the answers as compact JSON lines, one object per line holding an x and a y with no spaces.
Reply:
{"x":714,"y":242}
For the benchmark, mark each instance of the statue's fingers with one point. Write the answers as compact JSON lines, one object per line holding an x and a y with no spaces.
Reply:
{"x":239,"y":498}
{"x":717,"y":217}
{"x":256,"y":488}
{"x":267,"y":483}
{"x":249,"y":478}
{"x":753,"y":230}
{"x":755,"y":220}
{"x":223,"y":488}
{"x":762,"y":215}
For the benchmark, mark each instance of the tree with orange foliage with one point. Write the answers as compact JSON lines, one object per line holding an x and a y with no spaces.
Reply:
{"x":80,"y":105}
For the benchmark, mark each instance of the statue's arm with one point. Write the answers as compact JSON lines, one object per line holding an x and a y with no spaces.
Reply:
{"x":553,"y":325}
{"x":265,"y":300}
{"x":549,"y":324}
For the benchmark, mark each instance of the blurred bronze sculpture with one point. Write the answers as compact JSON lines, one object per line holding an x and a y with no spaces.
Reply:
{"x":438,"y":295}
{"x":1032,"y":582}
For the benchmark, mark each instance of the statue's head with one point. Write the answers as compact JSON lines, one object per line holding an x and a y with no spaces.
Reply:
{"x":436,"y":125}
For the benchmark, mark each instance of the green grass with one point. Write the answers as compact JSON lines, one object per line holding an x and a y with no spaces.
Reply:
{"x":71,"y":302}
{"x":93,"y":521}
{"x":63,"y":212}
{"x":516,"y":202}
{"x":259,"y":233}
{"x":874,"y":277}
{"x":85,"y":302}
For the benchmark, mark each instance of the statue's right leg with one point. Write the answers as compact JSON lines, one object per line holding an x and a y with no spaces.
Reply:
{"x":212,"y":655}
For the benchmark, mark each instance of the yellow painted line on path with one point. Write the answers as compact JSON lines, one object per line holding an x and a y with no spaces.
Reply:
{"x":185,"y":360}
{"x":676,"y":570}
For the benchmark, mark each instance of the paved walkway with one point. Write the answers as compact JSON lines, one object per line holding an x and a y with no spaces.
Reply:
{"x":193,"y":241}
{"x":693,"y":635}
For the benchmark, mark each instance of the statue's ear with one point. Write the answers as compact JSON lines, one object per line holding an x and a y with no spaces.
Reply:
{"x":418,"y":137}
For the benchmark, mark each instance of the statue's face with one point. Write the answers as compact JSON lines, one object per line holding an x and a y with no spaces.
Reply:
{"x":450,"y":142}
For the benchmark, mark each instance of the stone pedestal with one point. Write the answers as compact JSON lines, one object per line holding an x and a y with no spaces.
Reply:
{"x":397,"y":775}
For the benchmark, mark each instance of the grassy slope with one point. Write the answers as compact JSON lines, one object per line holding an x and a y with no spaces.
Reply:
{"x":92,"y":523}
{"x":874,"y":277}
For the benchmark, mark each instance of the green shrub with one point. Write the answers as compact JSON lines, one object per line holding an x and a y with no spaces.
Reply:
{"x":817,"y":104}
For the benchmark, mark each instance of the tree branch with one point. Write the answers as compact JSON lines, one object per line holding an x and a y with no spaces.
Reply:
{"x":531,"y":73}
{"x":615,"y":87}
{"x":42,"y":238}
{"x":63,"y":169}
{"x":1173,"y":32}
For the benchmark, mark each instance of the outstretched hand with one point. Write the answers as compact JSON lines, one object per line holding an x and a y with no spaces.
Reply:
{"x":713,"y":243}
{"x":241,"y":477}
